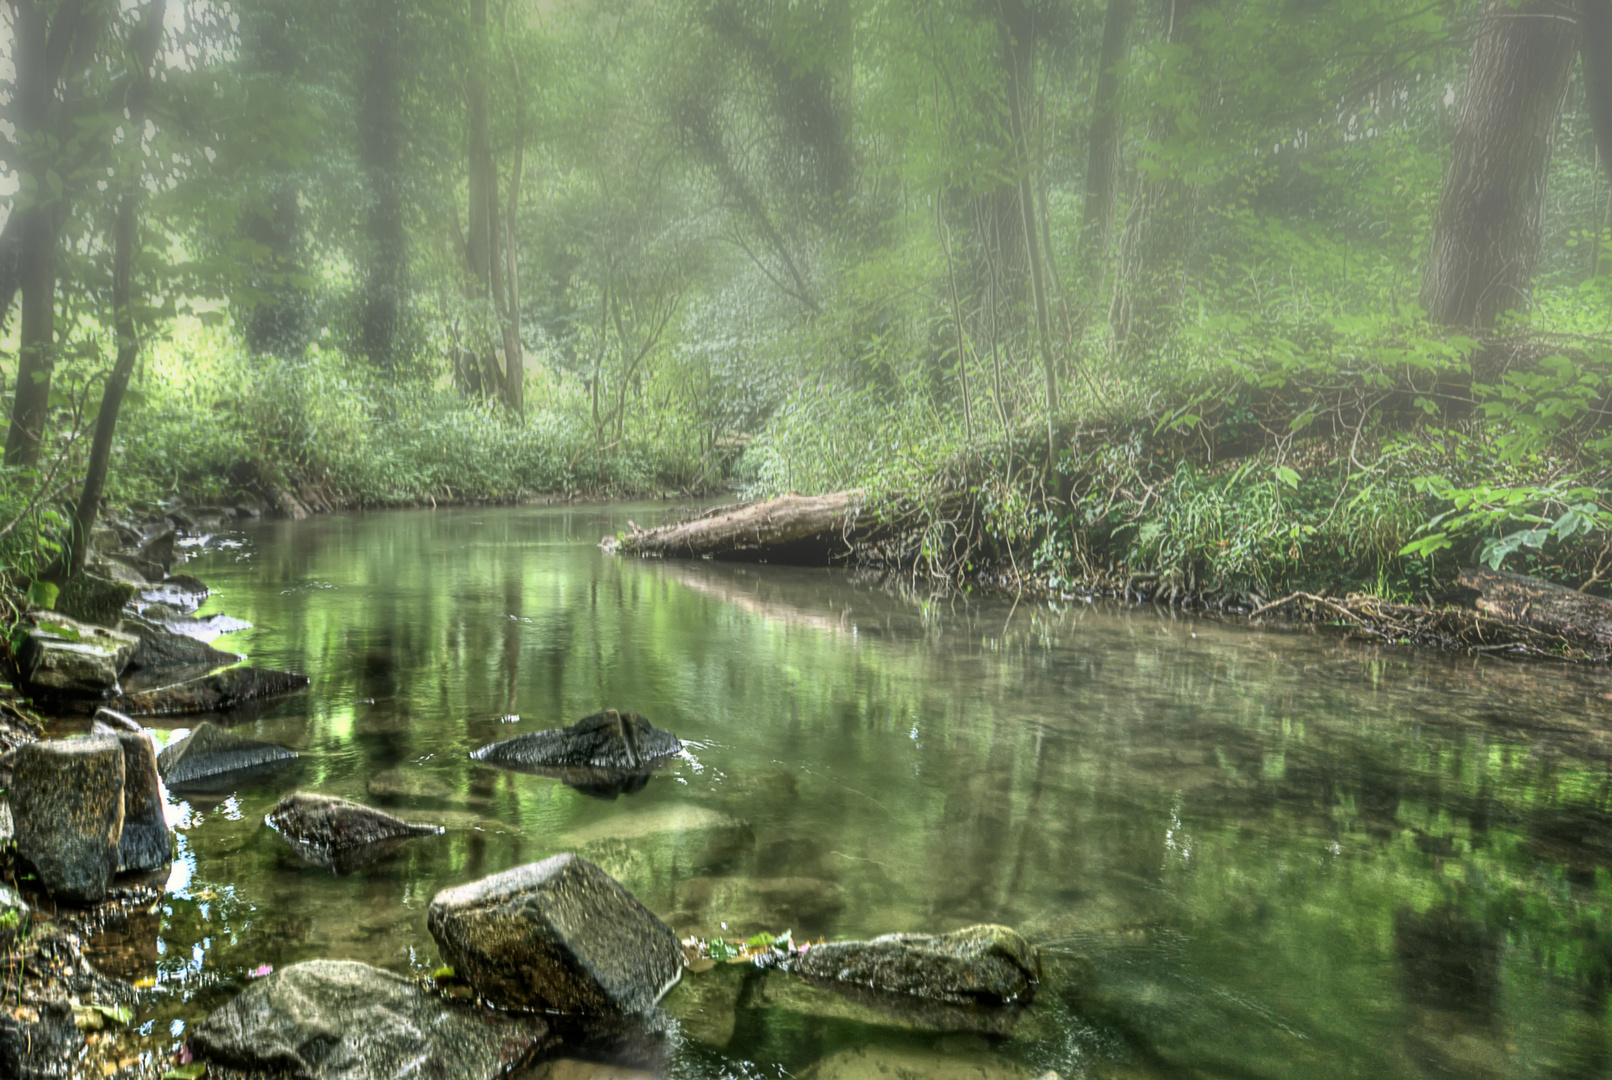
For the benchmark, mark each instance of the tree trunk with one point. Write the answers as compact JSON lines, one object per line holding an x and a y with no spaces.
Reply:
{"x":799,"y":525}
{"x":1027,"y":211}
{"x":1487,"y":234}
{"x":1150,"y":283}
{"x":125,"y":251}
{"x":514,"y":352}
{"x":41,"y":52}
{"x":482,"y":183}
{"x":382,"y":148}
{"x":1102,"y":155}
{"x":1595,"y":46}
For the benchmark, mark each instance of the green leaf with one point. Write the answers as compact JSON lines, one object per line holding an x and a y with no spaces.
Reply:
{"x":43,"y":594}
{"x":1288,"y":476}
{"x":194,"y":1071}
{"x":66,"y":633}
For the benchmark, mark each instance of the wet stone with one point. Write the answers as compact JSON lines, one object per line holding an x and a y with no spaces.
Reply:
{"x":988,"y":965}
{"x":558,"y":935}
{"x":213,"y":693}
{"x":146,"y":843}
{"x":210,"y":751}
{"x":39,"y":1044}
{"x":67,"y":795}
{"x":94,"y":599}
{"x":605,"y":740}
{"x":343,"y":1020}
{"x":61,"y":655}
{"x":338,"y":833}
{"x":904,"y":1063}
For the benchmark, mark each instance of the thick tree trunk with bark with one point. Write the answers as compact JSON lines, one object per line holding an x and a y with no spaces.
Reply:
{"x":1487,"y":234}
{"x":1552,"y":609}
{"x":794,"y":528}
{"x":1102,"y":155}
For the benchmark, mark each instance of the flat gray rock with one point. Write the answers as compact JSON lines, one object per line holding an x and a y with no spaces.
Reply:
{"x":210,"y":751}
{"x":605,"y":740}
{"x":985,"y":965}
{"x":342,"y":1020}
{"x":558,"y":935}
{"x":67,"y":798}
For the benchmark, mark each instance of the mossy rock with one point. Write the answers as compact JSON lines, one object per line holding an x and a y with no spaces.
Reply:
{"x":93,"y":599}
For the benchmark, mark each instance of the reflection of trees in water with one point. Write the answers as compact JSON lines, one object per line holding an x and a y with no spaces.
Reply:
{"x":1351,"y":825}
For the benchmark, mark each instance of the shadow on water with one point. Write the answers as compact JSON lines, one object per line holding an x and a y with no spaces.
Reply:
{"x":1244,"y":854}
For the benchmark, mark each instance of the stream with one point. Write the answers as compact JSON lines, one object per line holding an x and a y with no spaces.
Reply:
{"x":1242,"y":853}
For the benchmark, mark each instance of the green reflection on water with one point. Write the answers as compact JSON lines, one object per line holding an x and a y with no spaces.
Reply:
{"x":1244,"y":854}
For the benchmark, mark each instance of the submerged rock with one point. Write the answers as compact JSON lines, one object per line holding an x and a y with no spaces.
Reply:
{"x":212,"y":693}
{"x":343,"y":1020}
{"x":93,"y":599}
{"x":338,"y":833}
{"x":989,"y":965}
{"x":61,"y":655}
{"x":409,"y":784}
{"x":910,"y":1063}
{"x":210,"y":751}
{"x":145,"y":843}
{"x":67,"y":796}
{"x":39,"y":1047}
{"x":605,"y":740}
{"x":558,"y":935}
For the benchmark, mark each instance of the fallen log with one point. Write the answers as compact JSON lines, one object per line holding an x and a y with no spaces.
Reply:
{"x":807,"y":529}
{"x":1539,"y":605}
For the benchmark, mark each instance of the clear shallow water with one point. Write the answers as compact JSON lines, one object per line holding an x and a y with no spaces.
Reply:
{"x":1244,"y":854}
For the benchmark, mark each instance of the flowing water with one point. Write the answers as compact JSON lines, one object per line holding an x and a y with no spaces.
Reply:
{"x":1243,"y":854}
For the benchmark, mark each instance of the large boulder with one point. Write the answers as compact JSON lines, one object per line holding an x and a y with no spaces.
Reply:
{"x":343,"y":1020}
{"x":605,"y":740}
{"x":67,"y":798}
{"x":210,"y":751}
{"x":558,"y":935}
{"x":987,"y":965}
{"x":146,"y":843}
{"x":338,"y":833}
{"x":95,"y":599}
{"x":62,"y":656}
{"x":212,"y":693}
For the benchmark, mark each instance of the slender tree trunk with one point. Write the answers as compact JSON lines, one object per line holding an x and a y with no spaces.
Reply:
{"x":483,"y":190}
{"x":125,"y":251}
{"x":514,"y":353}
{"x":1150,"y":284}
{"x":36,"y":346}
{"x":1102,"y":155}
{"x":1027,"y":211}
{"x":1595,"y":46}
{"x":382,"y":149}
{"x":1487,"y":234}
